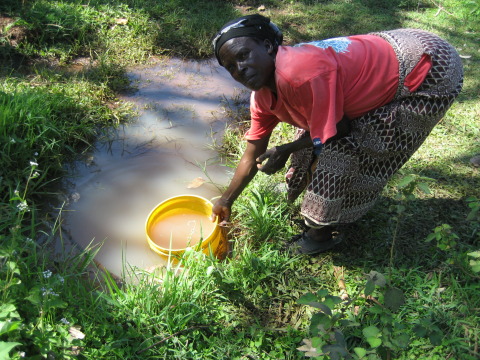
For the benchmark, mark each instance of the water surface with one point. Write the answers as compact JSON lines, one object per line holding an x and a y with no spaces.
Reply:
{"x":166,"y":152}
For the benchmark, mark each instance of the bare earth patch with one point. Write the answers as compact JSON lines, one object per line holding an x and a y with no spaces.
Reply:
{"x":15,"y":34}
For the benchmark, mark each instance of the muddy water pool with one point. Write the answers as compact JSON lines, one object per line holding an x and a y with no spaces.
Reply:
{"x":166,"y":151}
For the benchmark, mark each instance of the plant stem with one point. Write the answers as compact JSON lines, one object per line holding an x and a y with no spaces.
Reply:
{"x":174,"y":334}
{"x":392,"y":247}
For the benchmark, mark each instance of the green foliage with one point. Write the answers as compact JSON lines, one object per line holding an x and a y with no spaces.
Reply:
{"x":339,"y":319}
{"x":475,"y":262}
{"x":45,"y":135}
{"x":352,"y":328}
{"x":445,"y":238}
{"x":263,"y":213}
{"x":447,"y":241}
{"x":474,"y":205}
{"x":409,"y":184}
{"x":31,"y":299}
{"x":125,"y":31}
{"x":244,"y":307}
{"x":474,"y":7}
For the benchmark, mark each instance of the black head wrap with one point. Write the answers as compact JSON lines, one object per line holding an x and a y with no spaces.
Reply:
{"x":256,"y":26}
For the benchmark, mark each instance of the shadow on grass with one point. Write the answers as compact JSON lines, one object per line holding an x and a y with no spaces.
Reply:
{"x":369,"y":240}
{"x":340,"y":18}
{"x":11,"y":60}
{"x":181,"y":27}
{"x":184,"y":27}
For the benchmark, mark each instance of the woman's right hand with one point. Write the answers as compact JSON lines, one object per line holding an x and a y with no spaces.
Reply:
{"x":245,"y":171}
{"x":223,"y":209}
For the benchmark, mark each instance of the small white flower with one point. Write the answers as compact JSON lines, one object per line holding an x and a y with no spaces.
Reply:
{"x":61,"y":279}
{"x":65,"y":321}
{"x":46,"y":292}
{"x":22,"y":206}
{"x":36,"y":154}
{"x":47,"y":274}
{"x":33,"y":163}
{"x":16,"y":193}
{"x":12,"y":140}
{"x":35,"y":174}
{"x":210,"y":269}
{"x":29,"y":240}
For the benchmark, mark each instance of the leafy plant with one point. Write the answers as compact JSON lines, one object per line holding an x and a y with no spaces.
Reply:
{"x":447,"y":241}
{"x":336,"y":318}
{"x":445,"y":238}
{"x":475,"y":262}
{"x":363,"y":326}
{"x":474,"y":205}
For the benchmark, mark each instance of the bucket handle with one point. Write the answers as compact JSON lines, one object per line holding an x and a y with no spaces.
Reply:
{"x":215,"y":198}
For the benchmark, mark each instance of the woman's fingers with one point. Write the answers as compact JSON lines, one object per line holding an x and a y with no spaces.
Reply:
{"x":223,"y":213}
{"x":213,"y":217}
{"x":267,"y":155}
{"x":224,"y":223}
{"x":263,"y":157}
{"x":275,"y":161}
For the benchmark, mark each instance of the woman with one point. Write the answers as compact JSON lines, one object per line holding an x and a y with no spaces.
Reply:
{"x":362,"y":105}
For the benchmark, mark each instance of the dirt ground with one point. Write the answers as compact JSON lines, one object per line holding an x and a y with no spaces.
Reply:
{"x":13,"y":35}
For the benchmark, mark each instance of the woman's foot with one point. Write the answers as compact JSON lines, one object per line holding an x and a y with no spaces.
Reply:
{"x":314,"y":241}
{"x":322,"y":234}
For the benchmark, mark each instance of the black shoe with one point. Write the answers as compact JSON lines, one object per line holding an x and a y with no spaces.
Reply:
{"x":303,"y":244}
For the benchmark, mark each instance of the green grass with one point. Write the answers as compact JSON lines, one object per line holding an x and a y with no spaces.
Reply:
{"x":246,"y":307}
{"x":127,"y":32}
{"x":47,"y":121}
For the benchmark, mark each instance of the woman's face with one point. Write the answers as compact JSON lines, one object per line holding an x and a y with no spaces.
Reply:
{"x":251,"y":62}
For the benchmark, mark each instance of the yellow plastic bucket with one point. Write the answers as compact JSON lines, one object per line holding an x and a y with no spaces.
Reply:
{"x":173,"y":242}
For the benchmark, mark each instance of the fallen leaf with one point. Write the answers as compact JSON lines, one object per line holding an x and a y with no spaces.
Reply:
{"x":75,"y":350}
{"x":76,"y":333}
{"x":309,"y":350}
{"x":195,"y":183}
{"x":121,"y":21}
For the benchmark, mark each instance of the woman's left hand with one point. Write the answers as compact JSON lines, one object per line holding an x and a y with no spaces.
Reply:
{"x":277,"y":158}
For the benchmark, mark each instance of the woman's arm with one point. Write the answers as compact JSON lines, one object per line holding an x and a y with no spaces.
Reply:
{"x":246,"y":170}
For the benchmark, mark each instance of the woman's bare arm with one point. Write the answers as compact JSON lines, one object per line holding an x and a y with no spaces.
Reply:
{"x":246,"y":170}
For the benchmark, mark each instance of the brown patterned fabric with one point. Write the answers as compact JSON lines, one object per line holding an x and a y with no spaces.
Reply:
{"x":346,"y":179}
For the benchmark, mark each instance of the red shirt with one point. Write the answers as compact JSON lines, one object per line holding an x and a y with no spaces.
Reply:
{"x":319,"y":84}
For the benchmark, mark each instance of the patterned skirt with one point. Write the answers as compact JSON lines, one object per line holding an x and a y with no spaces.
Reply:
{"x":348,"y":176}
